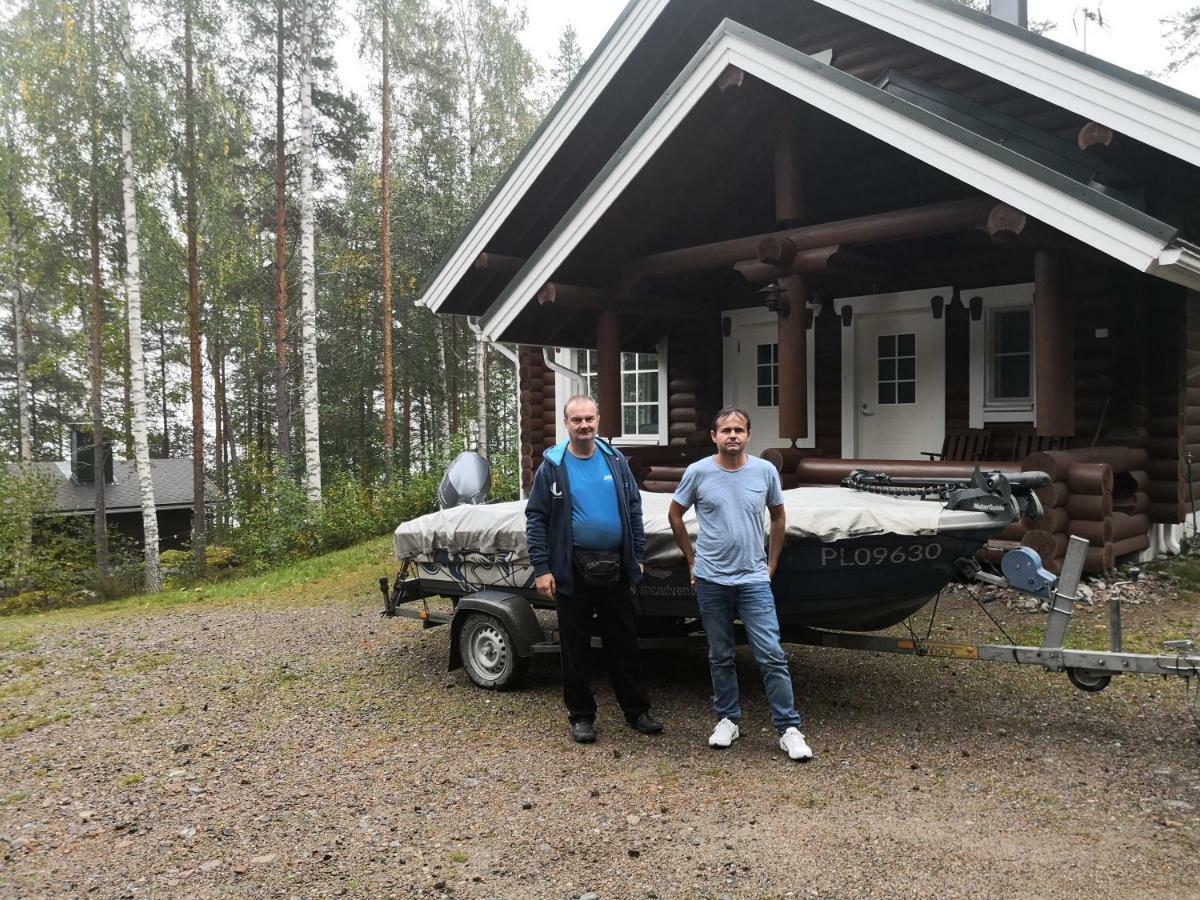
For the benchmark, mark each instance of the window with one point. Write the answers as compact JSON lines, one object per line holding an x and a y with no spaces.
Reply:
{"x":640,"y":406}
{"x":897,"y":360}
{"x":639,"y":393}
{"x":768,"y":375}
{"x":1010,"y":357}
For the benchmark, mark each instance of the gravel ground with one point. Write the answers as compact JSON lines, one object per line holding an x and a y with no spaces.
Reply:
{"x":312,"y":749}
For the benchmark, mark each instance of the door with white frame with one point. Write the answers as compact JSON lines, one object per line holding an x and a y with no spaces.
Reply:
{"x":751,"y":376}
{"x":894,"y":369}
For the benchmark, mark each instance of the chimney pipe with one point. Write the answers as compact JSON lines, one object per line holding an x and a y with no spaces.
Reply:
{"x":1015,"y":12}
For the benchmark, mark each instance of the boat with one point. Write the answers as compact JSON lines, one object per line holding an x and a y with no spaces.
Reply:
{"x":857,"y":557}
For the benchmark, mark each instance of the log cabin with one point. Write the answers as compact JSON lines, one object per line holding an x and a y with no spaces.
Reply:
{"x":895,"y":231}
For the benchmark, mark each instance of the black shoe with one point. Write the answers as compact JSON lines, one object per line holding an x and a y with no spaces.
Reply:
{"x":584,"y":732}
{"x":645,"y":723}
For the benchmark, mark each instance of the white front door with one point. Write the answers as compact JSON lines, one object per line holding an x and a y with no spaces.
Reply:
{"x":751,"y":376}
{"x":899,"y":379}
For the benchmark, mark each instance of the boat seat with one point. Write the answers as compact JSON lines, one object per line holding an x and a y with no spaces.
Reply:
{"x":962,"y":446}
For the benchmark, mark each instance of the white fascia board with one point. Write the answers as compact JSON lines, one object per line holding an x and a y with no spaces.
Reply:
{"x":1055,"y":77}
{"x":612,"y":55}
{"x":809,"y":84}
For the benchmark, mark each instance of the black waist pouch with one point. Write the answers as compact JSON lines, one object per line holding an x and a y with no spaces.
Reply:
{"x":598,"y":568}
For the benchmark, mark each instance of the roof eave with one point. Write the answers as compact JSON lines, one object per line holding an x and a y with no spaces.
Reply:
{"x":1136,"y":106}
{"x":1094,"y":218}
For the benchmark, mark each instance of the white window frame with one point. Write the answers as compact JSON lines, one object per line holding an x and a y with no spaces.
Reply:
{"x":984,"y":410}
{"x":574,"y":359}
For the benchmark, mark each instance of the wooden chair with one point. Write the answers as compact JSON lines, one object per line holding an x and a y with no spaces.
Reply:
{"x":1028,"y":441}
{"x":962,"y":446}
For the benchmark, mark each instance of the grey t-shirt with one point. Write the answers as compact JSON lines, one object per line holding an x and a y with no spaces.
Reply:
{"x":731,"y":547}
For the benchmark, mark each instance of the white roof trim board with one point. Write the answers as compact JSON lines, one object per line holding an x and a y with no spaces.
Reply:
{"x":1039,"y":67}
{"x":618,"y":45}
{"x":990,"y":168}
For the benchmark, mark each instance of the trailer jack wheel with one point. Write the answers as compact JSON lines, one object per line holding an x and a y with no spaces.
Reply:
{"x":488,"y":653}
{"x":1088,"y":681}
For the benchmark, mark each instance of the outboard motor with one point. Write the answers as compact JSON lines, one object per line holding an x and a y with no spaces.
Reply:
{"x":466,"y":483}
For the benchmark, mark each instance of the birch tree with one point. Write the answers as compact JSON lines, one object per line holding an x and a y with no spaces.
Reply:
{"x":133,"y":294}
{"x":308,"y":285}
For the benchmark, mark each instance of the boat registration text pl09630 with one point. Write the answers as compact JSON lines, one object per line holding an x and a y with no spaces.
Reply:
{"x":861,"y":557}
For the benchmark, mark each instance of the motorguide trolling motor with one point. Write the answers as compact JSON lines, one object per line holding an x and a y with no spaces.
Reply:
{"x":467,"y":482}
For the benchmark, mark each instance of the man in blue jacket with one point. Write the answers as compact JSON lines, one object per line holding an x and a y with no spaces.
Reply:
{"x":583,"y":524}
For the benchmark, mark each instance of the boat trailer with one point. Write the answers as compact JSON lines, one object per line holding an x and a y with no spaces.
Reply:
{"x":511,"y":631}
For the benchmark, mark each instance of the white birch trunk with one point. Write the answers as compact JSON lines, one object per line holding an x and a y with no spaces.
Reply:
{"x":308,"y":280}
{"x":137,"y":357}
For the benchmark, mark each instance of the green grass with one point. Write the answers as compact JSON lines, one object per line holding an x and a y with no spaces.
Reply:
{"x":21,"y":724}
{"x":347,"y":573}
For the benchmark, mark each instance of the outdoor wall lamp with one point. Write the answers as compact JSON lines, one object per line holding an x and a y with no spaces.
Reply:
{"x":772,"y":296}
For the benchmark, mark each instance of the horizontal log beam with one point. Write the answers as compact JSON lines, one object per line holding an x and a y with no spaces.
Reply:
{"x":498,"y":262}
{"x":806,"y":262}
{"x":577,"y":297}
{"x":939,"y":218}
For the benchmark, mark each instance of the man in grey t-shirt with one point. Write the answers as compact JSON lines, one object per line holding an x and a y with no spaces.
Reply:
{"x":731,"y":573}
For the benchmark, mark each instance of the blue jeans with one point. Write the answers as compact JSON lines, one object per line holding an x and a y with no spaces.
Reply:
{"x":754,"y":604}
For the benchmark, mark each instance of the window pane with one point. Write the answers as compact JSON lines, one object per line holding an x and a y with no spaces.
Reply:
{"x":887,"y":345}
{"x":764,"y":397}
{"x":775,"y":395}
{"x":906,"y":345}
{"x":1012,"y":331}
{"x":764,"y":354}
{"x":648,"y":361}
{"x":1012,"y":377}
{"x":887,"y":393}
{"x":628,"y":361}
{"x":628,"y":388}
{"x":648,"y":387}
{"x":906,"y":368}
{"x":906,"y":392}
{"x":887,"y":370}
{"x":647,"y":419}
{"x":629,"y":420}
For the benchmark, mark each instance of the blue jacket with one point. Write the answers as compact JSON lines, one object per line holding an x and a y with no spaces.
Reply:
{"x":548,"y":518}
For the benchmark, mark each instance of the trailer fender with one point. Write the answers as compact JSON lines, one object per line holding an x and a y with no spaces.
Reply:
{"x":513,"y":611}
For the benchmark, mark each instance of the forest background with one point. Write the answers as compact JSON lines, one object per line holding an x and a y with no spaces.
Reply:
{"x":211,"y":248}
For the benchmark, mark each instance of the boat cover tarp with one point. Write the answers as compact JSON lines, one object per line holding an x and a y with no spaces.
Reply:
{"x":825,"y":513}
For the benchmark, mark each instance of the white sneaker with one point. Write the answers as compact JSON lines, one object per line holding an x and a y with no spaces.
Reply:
{"x":724,"y":734}
{"x":792,"y":742}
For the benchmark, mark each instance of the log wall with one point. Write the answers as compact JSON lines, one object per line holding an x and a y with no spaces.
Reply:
{"x":693,"y":383}
{"x":539,"y":411}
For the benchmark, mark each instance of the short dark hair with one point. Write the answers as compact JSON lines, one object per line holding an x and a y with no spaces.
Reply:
{"x":575,"y":398}
{"x":726,"y":412}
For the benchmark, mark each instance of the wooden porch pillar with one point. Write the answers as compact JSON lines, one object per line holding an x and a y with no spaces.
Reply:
{"x":608,"y":371}
{"x":789,"y":174}
{"x":793,"y":361}
{"x":1054,"y":346}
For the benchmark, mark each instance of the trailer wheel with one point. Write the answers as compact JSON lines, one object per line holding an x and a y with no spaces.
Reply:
{"x":1087,"y":681}
{"x":488,"y":653}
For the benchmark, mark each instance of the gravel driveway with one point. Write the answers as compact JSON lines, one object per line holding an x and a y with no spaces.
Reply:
{"x":307,"y":748}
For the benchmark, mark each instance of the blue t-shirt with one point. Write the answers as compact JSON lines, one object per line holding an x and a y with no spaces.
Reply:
{"x":731,"y":547}
{"x":595,"y":518}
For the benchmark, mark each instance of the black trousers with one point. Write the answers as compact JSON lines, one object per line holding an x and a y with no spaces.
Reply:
{"x":613,"y":610}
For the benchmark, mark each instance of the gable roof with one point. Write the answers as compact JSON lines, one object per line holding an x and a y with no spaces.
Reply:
{"x":1131,"y":104}
{"x":172,"y":487}
{"x":1077,"y":209}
